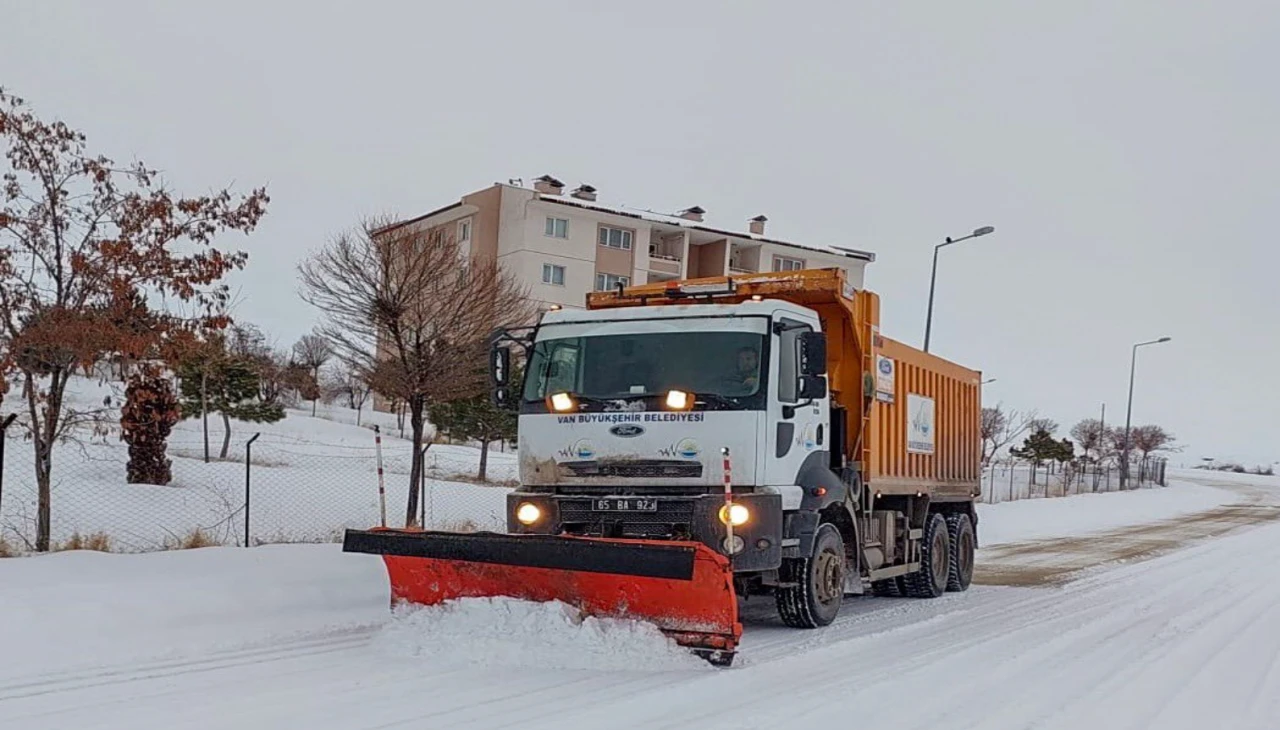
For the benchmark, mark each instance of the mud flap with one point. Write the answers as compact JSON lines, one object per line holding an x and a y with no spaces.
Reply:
{"x":684,"y":588}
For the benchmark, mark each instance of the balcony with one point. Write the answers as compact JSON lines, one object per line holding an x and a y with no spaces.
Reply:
{"x":664,"y":263}
{"x":744,"y":259}
{"x":666,"y":253}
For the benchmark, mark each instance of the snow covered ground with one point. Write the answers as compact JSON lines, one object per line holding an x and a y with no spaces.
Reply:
{"x":301,"y":636}
{"x":1032,"y":520}
{"x":311,"y":478}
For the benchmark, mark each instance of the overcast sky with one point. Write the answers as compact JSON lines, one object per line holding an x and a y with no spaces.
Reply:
{"x":1126,"y":153}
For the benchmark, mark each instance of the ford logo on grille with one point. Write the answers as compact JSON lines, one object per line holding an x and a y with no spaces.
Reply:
{"x":626,"y":430}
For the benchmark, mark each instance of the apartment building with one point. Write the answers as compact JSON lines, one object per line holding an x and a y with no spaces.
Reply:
{"x":565,"y":243}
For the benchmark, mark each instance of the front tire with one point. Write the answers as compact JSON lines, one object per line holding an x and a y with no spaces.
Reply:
{"x":818,"y":591}
{"x":930,"y":581}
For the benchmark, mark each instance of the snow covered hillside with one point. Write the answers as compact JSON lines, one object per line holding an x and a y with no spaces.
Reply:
{"x":301,"y":636}
{"x":310,"y":479}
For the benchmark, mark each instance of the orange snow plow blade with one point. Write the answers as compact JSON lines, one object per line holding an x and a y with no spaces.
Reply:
{"x":684,"y":588}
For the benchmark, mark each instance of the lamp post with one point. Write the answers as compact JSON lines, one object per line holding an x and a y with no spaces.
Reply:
{"x":933,"y":278}
{"x":1128,"y":414}
{"x":988,"y":380}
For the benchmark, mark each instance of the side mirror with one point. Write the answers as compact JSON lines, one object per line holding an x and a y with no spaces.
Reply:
{"x":499,"y":366}
{"x":499,"y":375}
{"x":501,"y":397}
{"x":813,"y":353}
{"x":812,"y":387}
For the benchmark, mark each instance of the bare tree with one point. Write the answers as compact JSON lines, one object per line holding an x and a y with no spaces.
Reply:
{"x":86,"y":248}
{"x":406,"y":311}
{"x":999,"y":428}
{"x":1089,"y":434}
{"x":1150,"y":439}
{"x":344,"y":382}
{"x":313,"y":351}
{"x":1048,"y":425}
{"x":993,"y":423}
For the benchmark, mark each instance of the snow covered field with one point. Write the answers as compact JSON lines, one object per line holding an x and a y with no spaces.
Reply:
{"x":1032,"y":520}
{"x":300,"y":636}
{"x":311,"y":478}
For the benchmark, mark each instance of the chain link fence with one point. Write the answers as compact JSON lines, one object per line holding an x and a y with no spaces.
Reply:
{"x":295,"y":489}
{"x":291,"y":490}
{"x":1010,"y":479}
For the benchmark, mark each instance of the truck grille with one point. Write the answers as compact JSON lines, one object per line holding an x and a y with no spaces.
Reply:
{"x":652,"y":469}
{"x":578,"y":513}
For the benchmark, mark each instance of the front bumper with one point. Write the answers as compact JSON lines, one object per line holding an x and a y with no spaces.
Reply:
{"x":677,"y":517}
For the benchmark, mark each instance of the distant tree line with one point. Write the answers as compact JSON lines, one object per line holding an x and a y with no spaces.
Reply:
{"x":1090,"y":440}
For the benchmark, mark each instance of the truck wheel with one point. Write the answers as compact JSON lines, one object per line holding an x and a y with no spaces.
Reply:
{"x":960,"y":532}
{"x":815,"y":598}
{"x":935,"y":561}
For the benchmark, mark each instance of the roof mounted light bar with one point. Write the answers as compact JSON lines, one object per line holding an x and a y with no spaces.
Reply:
{"x":675,"y":289}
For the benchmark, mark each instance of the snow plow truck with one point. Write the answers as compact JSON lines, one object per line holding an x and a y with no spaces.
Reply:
{"x":685,"y":445}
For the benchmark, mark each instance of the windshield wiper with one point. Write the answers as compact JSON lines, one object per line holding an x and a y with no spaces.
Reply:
{"x":723,"y":401}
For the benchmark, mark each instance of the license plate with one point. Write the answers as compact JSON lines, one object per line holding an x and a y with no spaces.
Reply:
{"x":624,"y":504}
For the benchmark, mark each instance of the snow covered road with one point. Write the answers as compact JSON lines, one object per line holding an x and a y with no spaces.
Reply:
{"x":1187,"y":635}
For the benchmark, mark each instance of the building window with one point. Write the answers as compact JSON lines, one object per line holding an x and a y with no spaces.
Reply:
{"x":557,"y":227}
{"x":552,"y":274}
{"x":606,"y":282}
{"x":464,"y":231}
{"x":781,"y":263}
{"x":615,"y":238}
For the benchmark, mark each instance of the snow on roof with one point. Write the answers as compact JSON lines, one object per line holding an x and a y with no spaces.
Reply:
{"x":673,"y":219}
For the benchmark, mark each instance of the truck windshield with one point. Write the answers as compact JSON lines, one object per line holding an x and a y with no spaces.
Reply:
{"x":723,"y":368}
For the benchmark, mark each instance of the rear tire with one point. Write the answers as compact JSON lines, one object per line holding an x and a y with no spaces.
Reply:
{"x":930,"y":581}
{"x":962,"y":537}
{"x":818,"y":591}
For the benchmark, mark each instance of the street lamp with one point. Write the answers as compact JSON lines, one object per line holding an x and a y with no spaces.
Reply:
{"x":933,"y":278}
{"x":1128,"y":414}
{"x":988,"y":380}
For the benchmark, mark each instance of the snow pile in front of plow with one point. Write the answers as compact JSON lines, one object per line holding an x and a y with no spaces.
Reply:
{"x":513,"y":633}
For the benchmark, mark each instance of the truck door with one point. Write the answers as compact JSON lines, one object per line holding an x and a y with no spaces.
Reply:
{"x":795,"y":429}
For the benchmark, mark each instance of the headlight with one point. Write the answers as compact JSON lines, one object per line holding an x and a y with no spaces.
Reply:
{"x":678,"y":400}
{"x":735,"y":514}
{"x":562,"y":401}
{"x":528,"y":513}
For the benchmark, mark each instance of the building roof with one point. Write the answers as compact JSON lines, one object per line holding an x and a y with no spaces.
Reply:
{"x":675,"y":220}
{"x":652,"y":217}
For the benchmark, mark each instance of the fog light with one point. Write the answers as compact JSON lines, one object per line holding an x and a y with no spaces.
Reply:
{"x":562,"y":401}
{"x":677,"y":400}
{"x":734,"y":546}
{"x":528,"y":513}
{"x":735,"y":514}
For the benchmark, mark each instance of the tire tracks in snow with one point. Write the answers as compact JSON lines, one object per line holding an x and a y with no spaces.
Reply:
{"x":224,"y":659}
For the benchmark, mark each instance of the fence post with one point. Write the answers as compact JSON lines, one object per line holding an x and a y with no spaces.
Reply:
{"x":248,"y":474}
{"x":382,"y":485}
{"x":4,"y":436}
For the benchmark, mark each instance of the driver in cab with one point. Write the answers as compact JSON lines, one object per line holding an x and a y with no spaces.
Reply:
{"x":745,"y":379}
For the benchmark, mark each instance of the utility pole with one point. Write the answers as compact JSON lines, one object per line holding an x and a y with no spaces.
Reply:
{"x":933,"y":277}
{"x":1128,"y":415}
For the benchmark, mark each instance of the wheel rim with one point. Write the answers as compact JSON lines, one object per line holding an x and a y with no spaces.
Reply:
{"x":828,"y":578}
{"x":938,"y":559}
